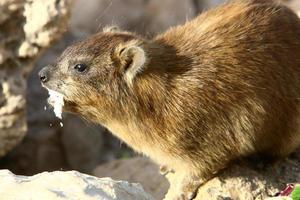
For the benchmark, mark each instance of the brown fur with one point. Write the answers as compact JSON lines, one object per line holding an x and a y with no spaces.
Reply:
{"x":222,"y":86}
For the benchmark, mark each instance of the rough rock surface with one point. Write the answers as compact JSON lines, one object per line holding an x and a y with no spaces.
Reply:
{"x":251,"y":180}
{"x":67,"y":185}
{"x":244,"y":180}
{"x":26,"y":27}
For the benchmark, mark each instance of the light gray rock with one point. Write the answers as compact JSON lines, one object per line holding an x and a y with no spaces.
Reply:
{"x":69,"y":185}
{"x":26,"y":28}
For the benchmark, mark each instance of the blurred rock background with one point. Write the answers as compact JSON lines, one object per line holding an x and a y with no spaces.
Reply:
{"x":77,"y":145}
{"x":26,"y":29}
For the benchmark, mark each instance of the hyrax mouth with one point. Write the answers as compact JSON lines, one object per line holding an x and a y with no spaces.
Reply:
{"x":56,"y":99}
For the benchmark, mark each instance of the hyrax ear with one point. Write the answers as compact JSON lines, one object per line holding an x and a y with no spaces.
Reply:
{"x":131,"y":59}
{"x":111,"y":29}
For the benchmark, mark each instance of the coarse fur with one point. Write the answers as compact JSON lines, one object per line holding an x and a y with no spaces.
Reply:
{"x":223,"y":85}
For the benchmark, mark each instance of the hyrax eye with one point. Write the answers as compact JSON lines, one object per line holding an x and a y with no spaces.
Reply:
{"x":80,"y":67}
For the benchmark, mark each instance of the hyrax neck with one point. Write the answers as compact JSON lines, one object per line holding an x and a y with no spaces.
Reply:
{"x":141,"y":121}
{"x":147,"y":117}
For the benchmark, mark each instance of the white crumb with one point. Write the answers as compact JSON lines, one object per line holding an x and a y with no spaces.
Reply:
{"x":45,"y":108}
{"x":61,"y":124}
{"x":56,"y":99}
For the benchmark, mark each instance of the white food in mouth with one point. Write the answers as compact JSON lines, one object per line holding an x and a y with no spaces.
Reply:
{"x":56,"y":99}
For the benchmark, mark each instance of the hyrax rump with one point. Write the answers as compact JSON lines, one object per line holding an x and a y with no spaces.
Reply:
{"x":223,"y":85}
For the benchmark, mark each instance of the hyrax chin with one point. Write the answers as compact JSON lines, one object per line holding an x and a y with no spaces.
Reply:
{"x":222,"y":86}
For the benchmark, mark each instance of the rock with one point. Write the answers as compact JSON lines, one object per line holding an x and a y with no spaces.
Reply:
{"x":39,"y":17}
{"x":27,"y":27}
{"x":249,"y":181}
{"x":60,"y":185}
{"x":244,"y":180}
{"x":137,"y":170}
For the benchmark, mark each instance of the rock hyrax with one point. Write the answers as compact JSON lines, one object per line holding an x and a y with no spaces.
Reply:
{"x":222,"y":86}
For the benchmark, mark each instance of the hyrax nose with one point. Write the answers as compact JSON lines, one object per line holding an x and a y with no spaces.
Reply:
{"x":44,"y":75}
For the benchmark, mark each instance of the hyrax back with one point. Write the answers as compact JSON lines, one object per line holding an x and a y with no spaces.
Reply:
{"x":222,"y":86}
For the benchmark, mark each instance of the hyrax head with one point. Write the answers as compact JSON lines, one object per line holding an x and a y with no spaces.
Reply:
{"x":95,"y":74}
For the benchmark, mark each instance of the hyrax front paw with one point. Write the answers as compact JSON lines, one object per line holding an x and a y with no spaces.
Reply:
{"x":164,"y":170}
{"x":184,"y":197}
{"x":188,"y":190}
{"x":184,"y":186}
